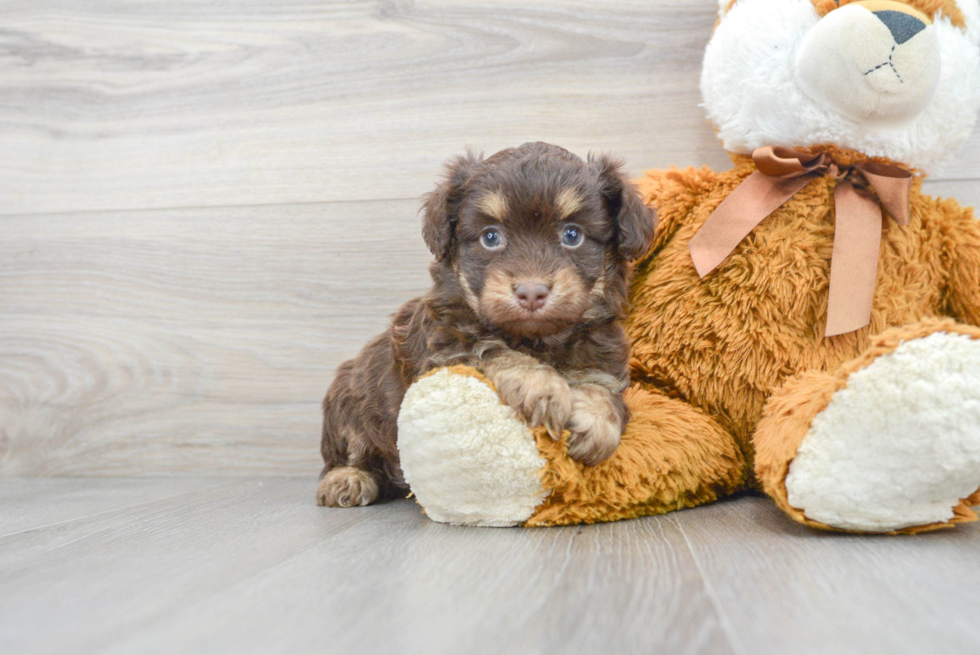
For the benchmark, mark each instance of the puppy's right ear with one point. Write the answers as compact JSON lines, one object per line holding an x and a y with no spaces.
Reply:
{"x":440,"y":207}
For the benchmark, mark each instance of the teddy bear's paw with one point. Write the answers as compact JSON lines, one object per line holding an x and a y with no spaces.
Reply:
{"x":538,"y":393}
{"x":899,"y":446}
{"x":467,"y":457}
{"x":595,"y":425}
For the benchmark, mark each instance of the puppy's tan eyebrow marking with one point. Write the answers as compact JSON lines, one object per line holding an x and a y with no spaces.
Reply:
{"x":494,"y":204}
{"x":568,"y":202}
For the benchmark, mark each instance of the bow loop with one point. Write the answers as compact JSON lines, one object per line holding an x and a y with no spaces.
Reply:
{"x":892,"y":185}
{"x":780,"y":173}
{"x":785,"y":163}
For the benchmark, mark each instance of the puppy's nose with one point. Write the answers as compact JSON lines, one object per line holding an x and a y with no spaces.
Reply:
{"x":531,"y":295}
{"x":902,"y":26}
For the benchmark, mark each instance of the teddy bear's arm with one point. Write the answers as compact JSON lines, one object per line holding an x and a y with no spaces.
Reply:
{"x":964,"y":275}
{"x":672,"y":456}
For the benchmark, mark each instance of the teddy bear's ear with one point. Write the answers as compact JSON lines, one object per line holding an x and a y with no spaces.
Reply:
{"x":440,"y":207}
{"x":635,"y":222}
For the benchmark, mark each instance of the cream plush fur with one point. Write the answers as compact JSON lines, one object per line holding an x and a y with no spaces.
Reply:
{"x":850,"y":63}
{"x":899,"y":445}
{"x":467,"y":456}
{"x":751,"y":91}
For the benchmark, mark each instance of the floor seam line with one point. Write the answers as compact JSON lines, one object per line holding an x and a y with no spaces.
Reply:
{"x":133,"y":210}
{"x":109,"y":511}
{"x":726,"y":624}
{"x":254,"y":574}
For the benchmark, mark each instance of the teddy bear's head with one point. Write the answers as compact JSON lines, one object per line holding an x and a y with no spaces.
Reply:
{"x":895,"y":79}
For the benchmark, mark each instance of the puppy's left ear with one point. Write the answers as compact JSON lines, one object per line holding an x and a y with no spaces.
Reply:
{"x":635,"y":222}
{"x":441,"y":206}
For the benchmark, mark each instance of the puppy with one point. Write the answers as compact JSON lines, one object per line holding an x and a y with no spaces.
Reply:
{"x":529,"y":281}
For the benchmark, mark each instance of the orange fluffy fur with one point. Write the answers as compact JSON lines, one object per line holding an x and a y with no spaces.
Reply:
{"x":932,"y":8}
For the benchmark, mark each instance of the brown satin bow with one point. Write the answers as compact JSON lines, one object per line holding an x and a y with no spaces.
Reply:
{"x":781,"y":172}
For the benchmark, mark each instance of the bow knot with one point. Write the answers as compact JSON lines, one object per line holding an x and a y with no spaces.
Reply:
{"x":861,"y":191}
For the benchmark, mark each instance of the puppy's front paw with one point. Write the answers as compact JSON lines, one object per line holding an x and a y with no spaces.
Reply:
{"x":596,"y":424}
{"x":539,"y":394}
{"x":346,"y":487}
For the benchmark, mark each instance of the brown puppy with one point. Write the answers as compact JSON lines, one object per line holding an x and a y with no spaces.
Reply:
{"x":531,"y":248}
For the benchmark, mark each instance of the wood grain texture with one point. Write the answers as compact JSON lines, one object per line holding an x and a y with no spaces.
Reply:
{"x":256,"y":567}
{"x":48,"y":502}
{"x":163,"y":103}
{"x":253,"y":566}
{"x":80,"y":585}
{"x":411,"y":586}
{"x":801,"y":591}
{"x":191,"y":340}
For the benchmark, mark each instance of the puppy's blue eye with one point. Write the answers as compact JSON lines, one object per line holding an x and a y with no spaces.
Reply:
{"x":572,"y":237}
{"x":491,"y":239}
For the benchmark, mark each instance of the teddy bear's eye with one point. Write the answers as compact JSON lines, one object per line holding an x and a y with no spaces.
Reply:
{"x":572,"y":237}
{"x":491,"y":239}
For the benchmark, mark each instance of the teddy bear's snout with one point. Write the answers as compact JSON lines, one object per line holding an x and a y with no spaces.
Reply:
{"x":871,"y":61}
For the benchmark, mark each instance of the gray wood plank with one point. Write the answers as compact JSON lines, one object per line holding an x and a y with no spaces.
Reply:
{"x":116,"y":105}
{"x":257,"y":567}
{"x":122,"y":105}
{"x":190,"y":340}
{"x":29,"y":504}
{"x":791,"y":589}
{"x":79,"y":585}
{"x":627,"y":587}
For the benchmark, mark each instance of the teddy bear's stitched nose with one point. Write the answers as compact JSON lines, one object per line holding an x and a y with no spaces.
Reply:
{"x":902,"y":26}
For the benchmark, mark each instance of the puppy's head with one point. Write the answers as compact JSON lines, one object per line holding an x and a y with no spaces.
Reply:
{"x":535,"y":238}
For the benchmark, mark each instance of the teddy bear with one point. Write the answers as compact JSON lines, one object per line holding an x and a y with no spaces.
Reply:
{"x":804,"y":324}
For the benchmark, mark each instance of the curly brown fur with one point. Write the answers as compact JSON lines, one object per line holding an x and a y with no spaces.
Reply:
{"x":538,"y":315}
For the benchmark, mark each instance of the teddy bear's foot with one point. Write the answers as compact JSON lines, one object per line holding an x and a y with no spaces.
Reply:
{"x":893,"y":438}
{"x":470,"y":460}
{"x":466,"y":455}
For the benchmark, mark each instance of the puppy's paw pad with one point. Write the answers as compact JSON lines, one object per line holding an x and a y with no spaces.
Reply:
{"x":347,"y":487}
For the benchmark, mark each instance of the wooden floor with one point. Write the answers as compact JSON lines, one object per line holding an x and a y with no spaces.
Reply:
{"x":253,"y":566}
